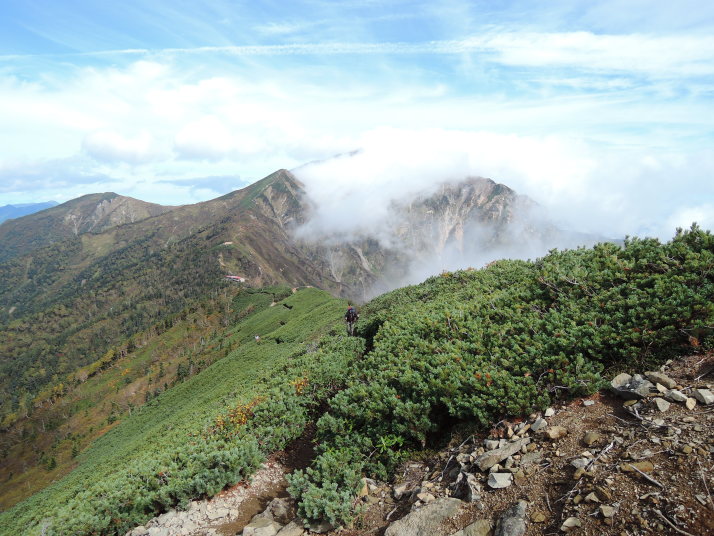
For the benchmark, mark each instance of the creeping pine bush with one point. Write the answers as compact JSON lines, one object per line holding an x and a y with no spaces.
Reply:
{"x":479,"y":345}
{"x":327,"y":490}
{"x":149,"y":487}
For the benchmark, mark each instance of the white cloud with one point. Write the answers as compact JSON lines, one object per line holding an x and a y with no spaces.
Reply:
{"x":111,"y":146}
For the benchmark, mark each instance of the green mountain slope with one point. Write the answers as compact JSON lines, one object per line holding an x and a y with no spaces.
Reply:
{"x":92,"y":213}
{"x":172,"y":423}
{"x":463,"y":348}
{"x":64,"y":305}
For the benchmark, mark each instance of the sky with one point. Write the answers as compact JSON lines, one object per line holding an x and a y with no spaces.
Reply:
{"x":601,"y":111}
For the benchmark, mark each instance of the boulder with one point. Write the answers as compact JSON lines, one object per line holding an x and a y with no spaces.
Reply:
{"x":294,"y":528}
{"x":261,"y":526}
{"x":492,"y":457}
{"x":662,"y":404}
{"x":513,"y":521}
{"x":500,"y":480}
{"x":467,"y":488}
{"x":426,"y":520}
{"x":662,"y":378}
{"x":481,"y":527}
{"x":556,"y":432}
{"x":704,"y":396}
{"x":279,"y":510}
{"x":675,"y":396}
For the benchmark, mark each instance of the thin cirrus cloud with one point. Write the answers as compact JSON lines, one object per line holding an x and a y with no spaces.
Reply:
{"x":643,"y":54}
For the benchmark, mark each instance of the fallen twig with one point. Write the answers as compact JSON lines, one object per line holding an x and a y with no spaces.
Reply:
{"x":602,"y":452}
{"x":675,"y":527}
{"x":706,"y":487}
{"x":390,"y":513}
{"x":647,"y":477}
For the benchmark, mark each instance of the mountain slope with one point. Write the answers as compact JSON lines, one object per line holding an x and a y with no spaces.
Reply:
{"x":8,"y":212}
{"x":92,"y":213}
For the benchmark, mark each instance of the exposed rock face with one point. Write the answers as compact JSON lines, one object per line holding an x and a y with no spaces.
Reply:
{"x":425,"y":521}
{"x":513,"y":521}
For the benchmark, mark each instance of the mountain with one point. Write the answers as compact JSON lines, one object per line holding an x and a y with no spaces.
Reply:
{"x":98,"y":276}
{"x":17,"y":211}
{"x":92,"y":213}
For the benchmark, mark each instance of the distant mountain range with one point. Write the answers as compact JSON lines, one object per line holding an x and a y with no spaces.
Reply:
{"x":8,"y":212}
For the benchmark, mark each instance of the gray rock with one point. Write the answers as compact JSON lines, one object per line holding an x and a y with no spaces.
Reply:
{"x":588,"y":402}
{"x":705,"y":396}
{"x":675,"y":396}
{"x":621,"y":380}
{"x":401,"y":490}
{"x":490,"y":444}
{"x":500,"y":480}
{"x":570,"y":524}
{"x":279,"y":510}
{"x":261,"y":526}
{"x":426,"y":520}
{"x":580,"y":463}
{"x":633,"y":389}
{"x":159,"y":531}
{"x":661,"y":377}
{"x":513,"y":521}
{"x":467,"y":488}
{"x":531,"y":458}
{"x":538,"y":424}
{"x":492,"y":457}
{"x":482,"y":527}
{"x":661,"y":404}
{"x":321,"y":527}
{"x":549,"y":412}
{"x":291,"y":529}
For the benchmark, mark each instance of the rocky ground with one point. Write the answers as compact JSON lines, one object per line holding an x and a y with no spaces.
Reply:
{"x":635,"y":459}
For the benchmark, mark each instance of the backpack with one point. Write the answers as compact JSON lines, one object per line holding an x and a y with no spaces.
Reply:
{"x":351,"y":315}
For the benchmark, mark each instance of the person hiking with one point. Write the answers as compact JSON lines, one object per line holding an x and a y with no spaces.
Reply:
{"x":351,"y":317}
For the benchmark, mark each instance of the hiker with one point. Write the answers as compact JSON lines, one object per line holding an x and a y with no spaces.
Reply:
{"x":351,"y":317}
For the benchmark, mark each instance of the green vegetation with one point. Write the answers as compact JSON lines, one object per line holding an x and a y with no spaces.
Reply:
{"x":470,"y":346}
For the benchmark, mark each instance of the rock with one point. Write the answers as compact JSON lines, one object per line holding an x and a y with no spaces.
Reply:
{"x":513,"y":521}
{"x":481,"y":527}
{"x":661,"y":404}
{"x":531,"y":458}
{"x":635,"y":388}
{"x":262,"y":526}
{"x":661,"y":388}
{"x":426,"y":520}
{"x":279,"y":510}
{"x":580,"y":463}
{"x":686,"y":449}
{"x":556,"y":432}
{"x":539,"y":423}
{"x":500,"y":480}
{"x":425,"y":497}
{"x":675,"y":396}
{"x":592,"y":498}
{"x":705,"y":396}
{"x":690,"y":403}
{"x":491,"y":444}
{"x":588,"y":402}
{"x":538,"y":517}
{"x":467,"y":488}
{"x":621,"y":380}
{"x":607,"y":511}
{"x":364,"y":490}
{"x":644,"y":466}
{"x":570,"y":524}
{"x":590,"y":438}
{"x":401,"y":491}
{"x":492,"y":457}
{"x":292,"y":529}
{"x":549,"y":412}
{"x":661,"y":377}
{"x":321,"y":527}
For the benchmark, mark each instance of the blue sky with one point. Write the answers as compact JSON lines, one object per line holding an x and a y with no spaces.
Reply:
{"x":601,"y":111}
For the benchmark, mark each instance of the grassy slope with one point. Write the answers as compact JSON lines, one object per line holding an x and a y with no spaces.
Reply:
{"x":190,"y":406}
